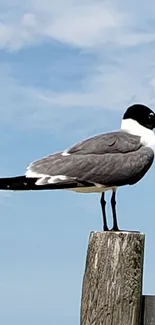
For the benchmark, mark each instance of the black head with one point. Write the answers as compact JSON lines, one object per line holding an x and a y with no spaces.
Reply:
{"x":142,"y":114}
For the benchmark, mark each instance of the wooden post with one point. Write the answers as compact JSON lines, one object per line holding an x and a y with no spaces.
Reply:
{"x":148,"y":310}
{"x":112,"y":284}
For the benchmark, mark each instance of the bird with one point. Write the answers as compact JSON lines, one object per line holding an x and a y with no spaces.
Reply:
{"x":97,"y":164}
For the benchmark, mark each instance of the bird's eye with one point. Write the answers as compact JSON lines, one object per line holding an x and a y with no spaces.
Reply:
{"x":151,"y":115}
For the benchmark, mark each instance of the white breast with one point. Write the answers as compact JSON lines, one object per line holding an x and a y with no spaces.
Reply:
{"x":133,"y":127}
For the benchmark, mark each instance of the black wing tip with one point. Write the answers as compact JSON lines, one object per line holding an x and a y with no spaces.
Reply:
{"x":23,"y":183}
{"x":16,"y":183}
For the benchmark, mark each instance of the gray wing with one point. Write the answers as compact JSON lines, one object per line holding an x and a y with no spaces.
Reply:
{"x":112,"y":142}
{"x":105,"y":169}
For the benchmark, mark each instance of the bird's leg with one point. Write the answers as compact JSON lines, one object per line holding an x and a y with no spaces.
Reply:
{"x":113,"y":206}
{"x":103,"y":204}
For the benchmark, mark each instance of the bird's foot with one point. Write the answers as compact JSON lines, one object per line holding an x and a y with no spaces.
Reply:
{"x":105,"y":228}
{"x":114,"y":229}
{"x":130,"y":231}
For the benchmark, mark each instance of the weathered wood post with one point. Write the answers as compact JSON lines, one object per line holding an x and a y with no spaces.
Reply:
{"x":112,"y":284}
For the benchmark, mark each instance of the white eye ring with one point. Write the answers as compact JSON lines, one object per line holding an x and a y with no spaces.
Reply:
{"x":151,"y":115}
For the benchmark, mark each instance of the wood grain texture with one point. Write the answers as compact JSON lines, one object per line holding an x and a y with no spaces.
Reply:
{"x":148,"y":310}
{"x":112,"y":284}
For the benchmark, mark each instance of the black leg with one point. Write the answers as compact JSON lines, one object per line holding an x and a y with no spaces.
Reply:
{"x":113,"y":205}
{"x":103,"y":203}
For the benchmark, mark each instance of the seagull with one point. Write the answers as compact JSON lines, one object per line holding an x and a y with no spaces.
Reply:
{"x":98,"y":164}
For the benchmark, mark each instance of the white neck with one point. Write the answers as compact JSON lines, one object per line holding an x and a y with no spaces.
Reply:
{"x":133,"y":127}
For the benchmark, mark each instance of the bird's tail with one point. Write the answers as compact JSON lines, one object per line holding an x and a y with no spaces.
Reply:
{"x":23,"y":183}
{"x":18,"y":183}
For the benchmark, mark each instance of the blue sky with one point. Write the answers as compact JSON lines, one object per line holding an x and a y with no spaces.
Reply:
{"x":68,"y":70}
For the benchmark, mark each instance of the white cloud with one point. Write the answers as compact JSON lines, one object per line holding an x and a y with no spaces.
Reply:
{"x":118,"y":78}
{"x":114,"y":91}
{"x":29,"y":20}
{"x":114,"y":87}
{"x":84,"y":24}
